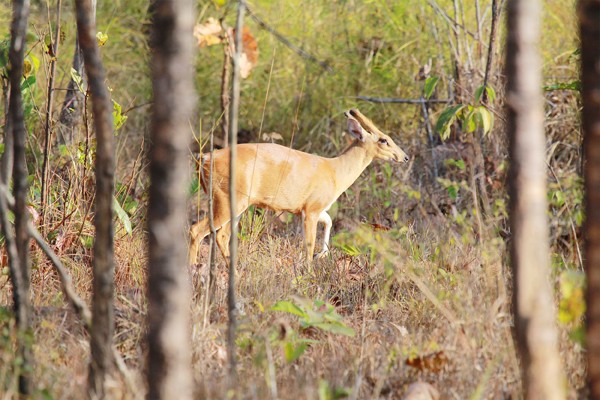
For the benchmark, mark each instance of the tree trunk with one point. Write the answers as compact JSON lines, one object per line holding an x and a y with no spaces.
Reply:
{"x":169,"y":355}
{"x":20,"y":270}
{"x":589,"y":17}
{"x":233,"y":242}
{"x":529,"y":249}
{"x":102,"y":359}
{"x":70,"y":115}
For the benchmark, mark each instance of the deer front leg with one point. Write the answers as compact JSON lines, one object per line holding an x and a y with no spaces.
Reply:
{"x":325,"y":219}
{"x":198,"y":232}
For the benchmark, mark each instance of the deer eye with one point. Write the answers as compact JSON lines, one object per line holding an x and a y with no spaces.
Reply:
{"x":383,"y":141}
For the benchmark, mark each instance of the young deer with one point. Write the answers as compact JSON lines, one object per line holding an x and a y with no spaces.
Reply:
{"x":282,"y":179}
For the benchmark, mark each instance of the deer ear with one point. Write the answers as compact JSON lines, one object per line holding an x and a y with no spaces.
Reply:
{"x":356,"y":130}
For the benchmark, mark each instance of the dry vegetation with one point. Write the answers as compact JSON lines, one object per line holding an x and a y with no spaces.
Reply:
{"x":427,"y":298}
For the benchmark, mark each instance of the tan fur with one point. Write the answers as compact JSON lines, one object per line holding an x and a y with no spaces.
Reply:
{"x":282,"y":179}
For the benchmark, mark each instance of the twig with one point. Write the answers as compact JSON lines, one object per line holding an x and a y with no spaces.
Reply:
{"x":402,"y":101}
{"x":452,"y":22}
{"x":301,"y":52}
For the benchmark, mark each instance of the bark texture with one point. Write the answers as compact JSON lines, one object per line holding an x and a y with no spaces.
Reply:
{"x":589,"y":20}
{"x":533,"y":301}
{"x":19,"y":263}
{"x":102,"y":360}
{"x":169,"y":354}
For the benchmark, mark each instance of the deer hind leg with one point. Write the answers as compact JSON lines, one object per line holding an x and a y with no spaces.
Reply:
{"x":310,"y":234}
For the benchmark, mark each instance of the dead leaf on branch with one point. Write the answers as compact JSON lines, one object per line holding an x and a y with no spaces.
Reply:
{"x":208,"y":33}
{"x":249,"y":57}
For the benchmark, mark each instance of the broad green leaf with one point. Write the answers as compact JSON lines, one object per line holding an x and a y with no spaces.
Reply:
{"x":123,"y":216}
{"x":469,"y":120}
{"x":289,"y":307}
{"x":28,"y":83}
{"x":446,"y":120}
{"x":35,"y":61}
{"x":430,"y":84}
{"x":478,"y":93}
{"x":486,"y":119}
{"x":452,"y":191}
{"x":490,"y":92}
{"x":337,"y":328}
{"x":292,"y":352}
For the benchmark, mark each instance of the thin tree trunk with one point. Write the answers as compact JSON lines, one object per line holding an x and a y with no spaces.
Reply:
{"x":6,"y":164}
{"x":225,"y":92}
{"x":533,"y":301}
{"x":169,"y":373}
{"x":70,"y":115}
{"x":589,"y":15}
{"x":233,"y":127}
{"x":102,"y":360}
{"x":21,"y":269}
{"x":48,"y":125}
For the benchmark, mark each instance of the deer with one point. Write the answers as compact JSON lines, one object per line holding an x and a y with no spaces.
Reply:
{"x":280,"y":178}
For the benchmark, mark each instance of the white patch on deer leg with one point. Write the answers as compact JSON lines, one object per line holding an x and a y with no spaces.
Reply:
{"x":326,"y":219}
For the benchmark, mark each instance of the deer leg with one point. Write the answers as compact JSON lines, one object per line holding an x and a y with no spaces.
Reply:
{"x":223,"y":236}
{"x":201,"y":229}
{"x":310,"y":234}
{"x":325,"y":219}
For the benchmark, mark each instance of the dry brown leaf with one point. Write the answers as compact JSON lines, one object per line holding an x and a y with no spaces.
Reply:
{"x":249,"y":57}
{"x":433,"y":362}
{"x":208,"y":33}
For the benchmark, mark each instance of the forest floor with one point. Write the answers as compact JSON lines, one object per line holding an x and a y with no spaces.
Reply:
{"x":430,"y":308}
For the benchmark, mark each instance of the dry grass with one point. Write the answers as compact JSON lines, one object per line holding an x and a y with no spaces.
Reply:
{"x":428,"y":298}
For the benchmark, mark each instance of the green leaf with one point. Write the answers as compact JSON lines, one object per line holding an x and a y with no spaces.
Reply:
{"x":123,"y":216}
{"x":28,"y":83}
{"x":490,"y":92}
{"x":292,"y":352}
{"x":338,"y":328}
{"x":573,"y":85}
{"x":430,"y":84}
{"x":351,"y":250}
{"x":486,"y":120}
{"x":77,"y":79}
{"x":118,"y":117}
{"x":289,"y":307}
{"x":452,"y":191}
{"x":446,"y":120}
{"x":460,"y":164}
{"x":469,"y":122}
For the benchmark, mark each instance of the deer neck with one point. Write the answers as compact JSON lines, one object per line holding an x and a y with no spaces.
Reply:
{"x":350,"y":164}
